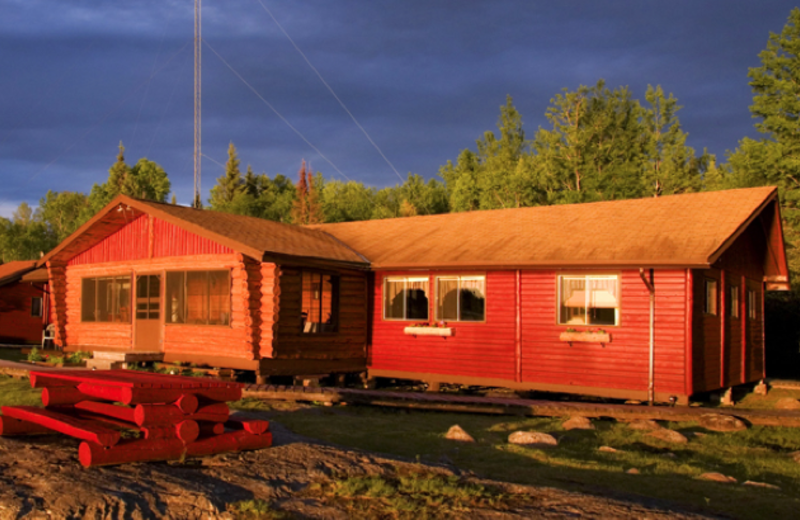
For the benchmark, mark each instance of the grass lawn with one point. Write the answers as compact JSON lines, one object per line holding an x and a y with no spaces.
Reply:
{"x":667,"y":471}
{"x":18,"y":392}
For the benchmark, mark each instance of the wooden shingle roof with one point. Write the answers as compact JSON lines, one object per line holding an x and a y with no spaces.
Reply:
{"x":689,"y":230}
{"x":12,"y":271}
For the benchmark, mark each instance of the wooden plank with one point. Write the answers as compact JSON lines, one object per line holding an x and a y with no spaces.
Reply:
{"x":123,"y":413}
{"x":63,"y":423}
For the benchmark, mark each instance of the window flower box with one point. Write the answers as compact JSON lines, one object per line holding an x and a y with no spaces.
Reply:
{"x":429,"y":331}
{"x":585,"y":337}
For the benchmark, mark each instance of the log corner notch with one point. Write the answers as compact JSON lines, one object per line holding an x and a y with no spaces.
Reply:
{"x":56,"y":273}
{"x":269,"y":306}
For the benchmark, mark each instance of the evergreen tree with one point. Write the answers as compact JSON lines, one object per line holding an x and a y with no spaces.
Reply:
{"x":230,"y":184}
{"x":461,"y":182}
{"x":147,"y":180}
{"x":300,"y":206}
{"x":775,"y":159}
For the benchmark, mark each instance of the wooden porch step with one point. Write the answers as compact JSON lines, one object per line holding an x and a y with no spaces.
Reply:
{"x":127,"y":356}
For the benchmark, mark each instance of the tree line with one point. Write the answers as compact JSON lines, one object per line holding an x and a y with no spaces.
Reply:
{"x":599,"y":144}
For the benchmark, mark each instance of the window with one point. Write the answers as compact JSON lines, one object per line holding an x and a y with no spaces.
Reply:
{"x":36,"y":307}
{"x":752,"y":304}
{"x":461,"y":298}
{"x":198,"y":297}
{"x":405,"y":298}
{"x":320,"y":312}
{"x":711,"y":297}
{"x":588,"y":300}
{"x":733,"y":301}
{"x":106,"y":299}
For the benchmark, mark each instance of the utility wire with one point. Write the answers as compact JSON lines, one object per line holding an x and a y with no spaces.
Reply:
{"x":295,"y":130}
{"x":107,"y":114}
{"x":331,"y":91}
{"x":214,"y":161}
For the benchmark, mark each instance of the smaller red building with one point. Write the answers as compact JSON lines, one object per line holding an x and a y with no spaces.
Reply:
{"x":23,"y":303}
{"x":647,"y":298}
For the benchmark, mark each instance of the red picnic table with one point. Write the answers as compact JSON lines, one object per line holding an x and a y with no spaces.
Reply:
{"x":176,"y":416}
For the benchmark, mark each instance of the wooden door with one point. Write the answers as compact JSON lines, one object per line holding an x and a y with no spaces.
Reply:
{"x":148,"y":313}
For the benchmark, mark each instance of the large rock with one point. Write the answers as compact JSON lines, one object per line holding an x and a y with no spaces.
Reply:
{"x":717,"y":477}
{"x":578,"y":423}
{"x":457,"y":433}
{"x":760,"y":484}
{"x":721,"y":423}
{"x":535,"y":439}
{"x":645,"y":425}
{"x":787,"y":403}
{"x":668,"y":436}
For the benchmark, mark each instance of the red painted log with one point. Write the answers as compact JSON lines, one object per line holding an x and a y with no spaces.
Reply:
{"x":11,"y":426}
{"x":133,"y":396}
{"x":139,"y":450}
{"x":187,"y":403}
{"x":211,"y":428}
{"x":230,"y":441}
{"x":159,"y":414}
{"x":119,"y":412}
{"x":186,"y":431}
{"x":254,"y":426}
{"x":61,"y":395}
{"x":41,"y":380}
{"x":64,"y":424}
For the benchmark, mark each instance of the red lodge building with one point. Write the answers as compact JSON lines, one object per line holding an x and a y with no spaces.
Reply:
{"x":648,"y":298}
{"x":23,"y":303}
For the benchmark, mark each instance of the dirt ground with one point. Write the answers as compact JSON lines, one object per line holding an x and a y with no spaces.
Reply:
{"x":40,"y":477}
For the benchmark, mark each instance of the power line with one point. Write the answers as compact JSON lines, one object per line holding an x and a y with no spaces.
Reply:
{"x":331,"y":91}
{"x":295,"y":130}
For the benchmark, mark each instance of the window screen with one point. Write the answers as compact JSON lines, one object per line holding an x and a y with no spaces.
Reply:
{"x":106,"y":299}
{"x":588,"y":300}
{"x":198,"y":297}
{"x":461,"y":298}
{"x":320,"y":302}
{"x":405,"y":298}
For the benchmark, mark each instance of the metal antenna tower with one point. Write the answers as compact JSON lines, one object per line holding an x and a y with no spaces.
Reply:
{"x":198,"y":45}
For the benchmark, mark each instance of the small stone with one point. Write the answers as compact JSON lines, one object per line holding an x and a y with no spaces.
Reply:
{"x":327,"y":403}
{"x":699,"y":434}
{"x":668,"y":436}
{"x":645,"y":425}
{"x":608,"y":449}
{"x":795,"y":455}
{"x":633,"y":401}
{"x":578,"y":423}
{"x":760,"y":484}
{"x":632,"y":471}
{"x":457,"y":433}
{"x":717,"y":477}
{"x":761,"y":388}
{"x":727,"y":398}
{"x":538,"y":439}
{"x":721,"y":423}
{"x":669,"y":455}
{"x":787,"y":403}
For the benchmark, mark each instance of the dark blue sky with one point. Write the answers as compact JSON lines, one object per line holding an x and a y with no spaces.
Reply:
{"x":424,"y":78}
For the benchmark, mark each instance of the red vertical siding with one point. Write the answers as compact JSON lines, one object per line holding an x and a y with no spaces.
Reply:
{"x":706,"y":360}
{"x":624,"y":362}
{"x":170,"y":240}
{"x":485,"y":350}
{"x":128,"y":243}
{"x":132,"y":242}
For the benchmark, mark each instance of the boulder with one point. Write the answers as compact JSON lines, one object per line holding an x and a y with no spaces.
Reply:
{"x":578,"y":423}
{"x":760,"y":484}
{"x":787,"y":403}
{"x":717,"y":477}
{"x":668,"y":436}
{"x":645,"y":425}
{"x":761,"y":388}
{"x":721,"y":423}
{"x":536,"y":439}
{"x":457,"y":433}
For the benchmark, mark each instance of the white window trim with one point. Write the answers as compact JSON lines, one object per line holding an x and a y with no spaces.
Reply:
{"x":459,"y":279}
{"x":405,"y":280}
{"x":586,"y":278}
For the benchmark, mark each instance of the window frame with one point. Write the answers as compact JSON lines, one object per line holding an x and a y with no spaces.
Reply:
{"x":114,"y":278}
{"x":459,"y":277}
{"x":405,"y":279}
{"x":734,"y":302}
{"x":707,"y":307}
{"x":587,"y":277}
{"x":166,"y":305}
{"x":336,"y":299}
{"x":752,"y":304}
{"x":40,"y":307}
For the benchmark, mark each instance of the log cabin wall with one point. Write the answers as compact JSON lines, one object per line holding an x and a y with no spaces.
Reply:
{"x":728,"y":349}
{"x":529,"y":353}
{"x":349,"y":343}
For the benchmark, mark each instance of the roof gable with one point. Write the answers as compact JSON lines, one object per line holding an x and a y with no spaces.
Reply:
{"x":12,"y":271}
